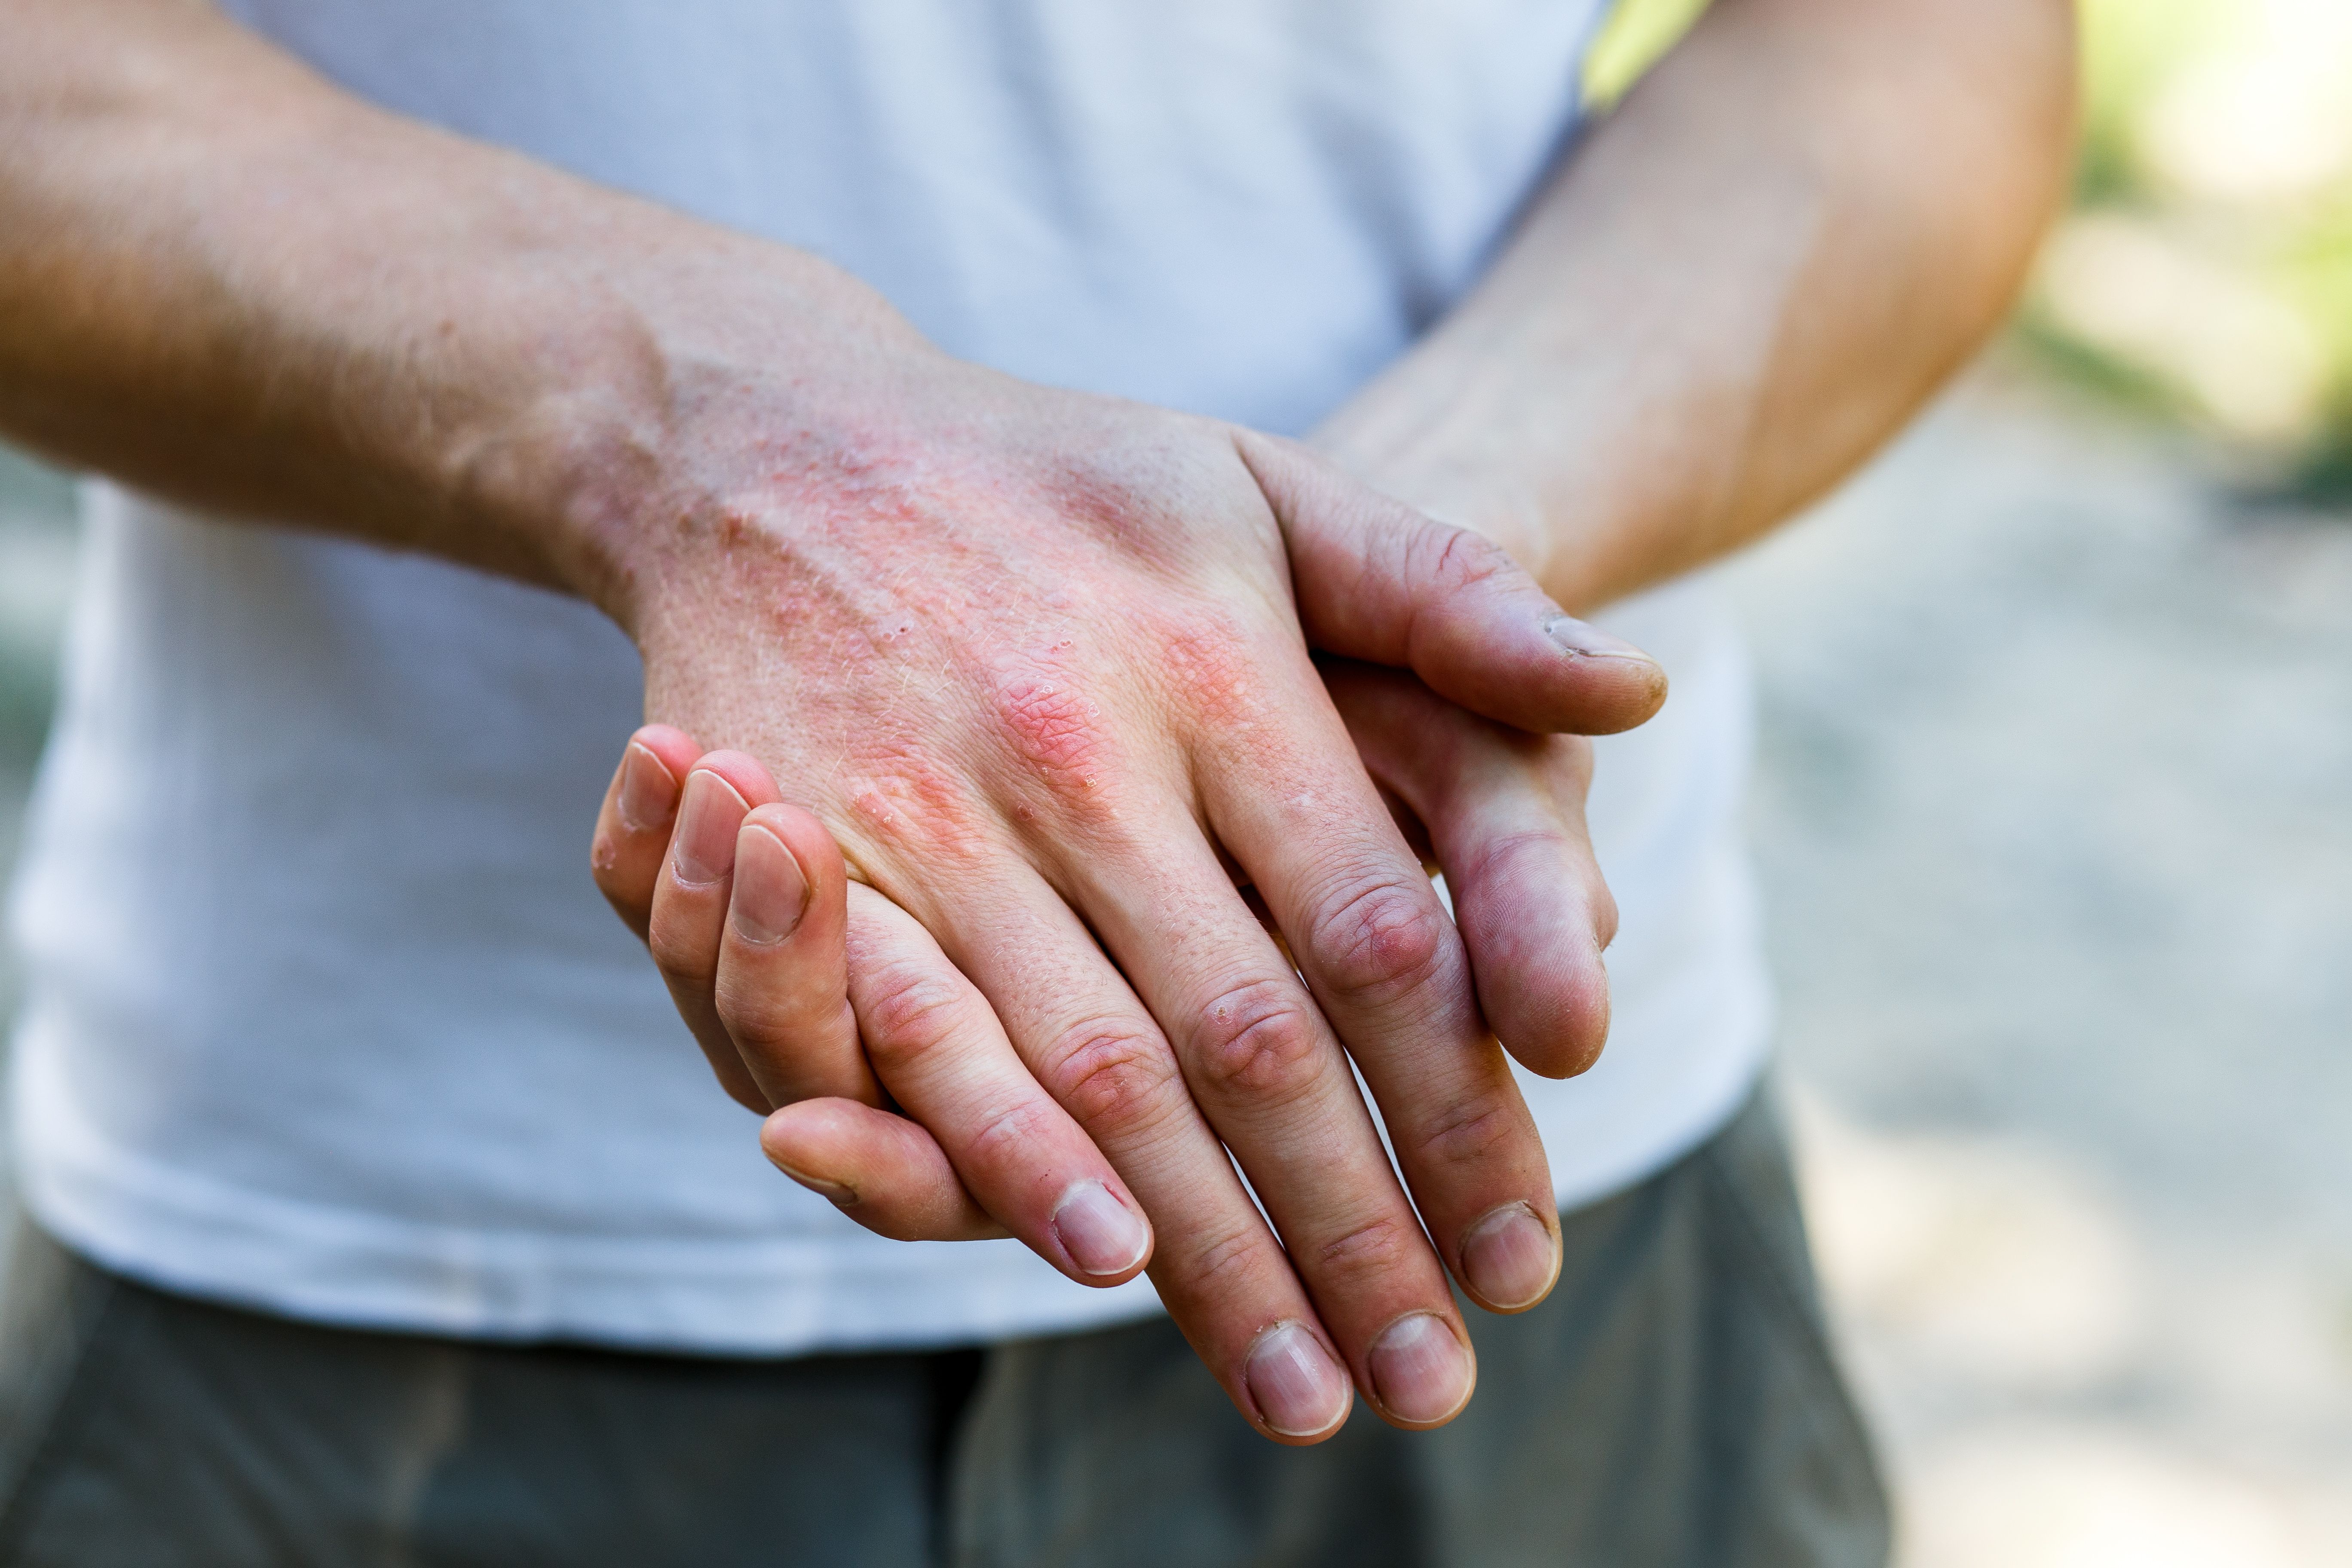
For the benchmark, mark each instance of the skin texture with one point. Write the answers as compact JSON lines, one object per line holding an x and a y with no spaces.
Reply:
{"x":783,"y":1018}
{"x":1032,"y":660}
{"x":1736,"y":287}
{"x":1039,"y":663}
{"x":780,"y":1019}
{"x":1664,"y":363}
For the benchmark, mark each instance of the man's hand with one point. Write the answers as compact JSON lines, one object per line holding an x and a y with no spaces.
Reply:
{"x":1030,"y":656}
{"x":224,"y":279}
{"x":794,"y":988}
{"x":1031,"y":659}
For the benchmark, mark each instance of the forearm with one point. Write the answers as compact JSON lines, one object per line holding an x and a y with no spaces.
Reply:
{"x":1736,"y":285}
{"x":226,"y":280}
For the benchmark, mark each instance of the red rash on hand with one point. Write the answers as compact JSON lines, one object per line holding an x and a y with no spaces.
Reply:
{"x":965,"y":710}
{"x":1058,"y":732}
{"x":909,"y":805}
{"x":1211,"y":666}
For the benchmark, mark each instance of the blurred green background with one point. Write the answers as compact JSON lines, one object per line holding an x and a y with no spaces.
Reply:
{"x":36,"y":563}
{"x":2203,"y":277}
{"x":2205,"y":274}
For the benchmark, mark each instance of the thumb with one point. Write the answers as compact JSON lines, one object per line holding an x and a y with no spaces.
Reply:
{"x":1380,"y":582}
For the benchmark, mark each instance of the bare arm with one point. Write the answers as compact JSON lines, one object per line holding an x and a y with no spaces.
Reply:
{"x":1737,"y":285}
{"x":1033,"y":659}
{"x":1732,"y":290}
{"x":226,"y":281}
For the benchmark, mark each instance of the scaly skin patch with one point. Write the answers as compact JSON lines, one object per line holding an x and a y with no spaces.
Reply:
{"x":914,"y":814}
{"x":1211,"y":665}
{"x":1057,"y":730}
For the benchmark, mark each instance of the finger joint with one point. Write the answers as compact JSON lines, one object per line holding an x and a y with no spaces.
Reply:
{"x":1380,"y":942}
{"x":1376,"y":1249}
{"x":685,"y":958}
{"x":1259,"y":1041}
{"x":1113,"y":1076}
{"x":910,"y":1013}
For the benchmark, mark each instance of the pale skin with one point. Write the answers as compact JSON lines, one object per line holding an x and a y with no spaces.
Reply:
{"x":1718,"y":307}
{"x":1731,"y":292}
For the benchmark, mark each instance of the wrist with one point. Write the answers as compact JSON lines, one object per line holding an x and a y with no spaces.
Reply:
{"x":1587,"y":495}
{"x":1406,"y":439}
{"x":670,"y":400}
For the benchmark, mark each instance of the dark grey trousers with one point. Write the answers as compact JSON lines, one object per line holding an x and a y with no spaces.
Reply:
{"x":1675,"y":1402}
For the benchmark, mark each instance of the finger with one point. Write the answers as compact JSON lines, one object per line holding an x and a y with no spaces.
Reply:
{"x":690,"y":908}
{"x":1271,"y":1078}
{"x":1378,"y":581}
{"x":781,"y":988}
{"x":633,"y":827}
{"x":1088,"y":1040}
{"x":1505,"y":811}
{"x":888,"y":1173}
{"x":937,"y":1044}
{"x":1388,"y":970}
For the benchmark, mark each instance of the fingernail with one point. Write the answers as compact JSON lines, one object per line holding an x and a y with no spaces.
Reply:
{"x":1421,"y":1371}
{"x":704,"y":849}
{"x":1101,"y":1235}
{"x":1299,"y":1389}
{"x":832,"y":1192}
{"x":648,"y":794}
{"x":1507,"y":1257}
{"x":770,"y":895}
{"x":1582,"y":638}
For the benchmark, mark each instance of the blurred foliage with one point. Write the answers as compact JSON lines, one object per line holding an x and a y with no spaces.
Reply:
{"x":2130,"y":52}
{"x":1632,"y":37}
{"x":2204,"y":272}
{"x":36,"y":538}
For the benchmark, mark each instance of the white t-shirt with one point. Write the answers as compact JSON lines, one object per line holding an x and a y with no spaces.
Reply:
{"x":323,"y":1011}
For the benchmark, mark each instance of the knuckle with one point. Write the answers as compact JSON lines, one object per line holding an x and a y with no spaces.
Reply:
{"x":1226,"y":1265}
{"x":1259,"y":1040}
{"x":1380,"y":1246}
{"x":1456,"y":558}
{"x":1057,"y":729}
{"x":1206,"y":661}
{"x":1490,"y":857}
{"x":1111,"y":1075}
{"x":910,"y":1013}
{"x":758,"y":1014}
{"x":1473,"y":1133}
{"x":1014,"y":1136}
{"x":739,"y":1015}
{"x":681,"y":953}
{"x":1381,"y":940}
